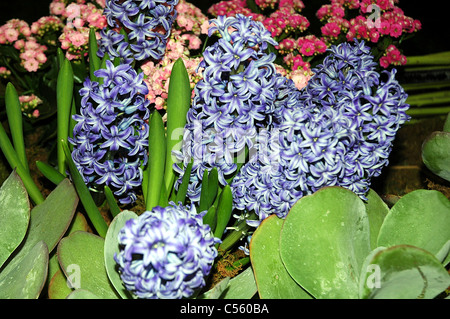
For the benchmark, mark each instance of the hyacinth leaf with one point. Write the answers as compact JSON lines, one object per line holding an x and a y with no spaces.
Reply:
{"x":182,"y":189}
{"x":14,"y":215}
{"x":60,"y":57}
{"x":94,"y":60}
{"x":402,"y":272}
{"x":324,"y":241}
{"x":14,"y":162}
{"x":243,"y":286}
{"x":272,"y":278}
{"x":50,"y":173}
{"x":217,"y":290}
{"x":82,"y":294}
{"x":420,"y":218}
{"x":436,"y":154}
{"x":113,"y":207}
{"x":84,"y":194}
{"x":64,"y":95}
{"x":81,"y":256}
{"x":27,"y":278}
{"x":210,"y":218}
{"x":178,"y":103}
{"x":112,"y":248}
{"x":156,"y":160}
{"x":14,"y":113}
{"x":376,"y":210}
{"x":224,"y":211}
{"x":210,"y":186}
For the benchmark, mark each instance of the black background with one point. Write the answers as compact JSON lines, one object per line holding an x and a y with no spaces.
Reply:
{"x":434,"y":15}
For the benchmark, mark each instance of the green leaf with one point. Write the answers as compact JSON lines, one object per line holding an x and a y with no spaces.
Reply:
{"x":64,"y":94}
{"x":272,"y":278}
{"x":217,"y":290}
{"x":182,"y":189}
{"x":14,"y":161}
{"x":113,"y":207}
{"x":224,"y":211}
{"x":14,"y":215}
{"x":436,"y":154}
{"x":243,"y":286}
{"x":210,"y":186}
{"x":178,"y":103}
{"x":420,"y":218}
{"x":94,"y":60}
{"x":14,"y":113}
{"x":112,"y":247}
{"x":402,"y":272}
{"x":447,"y":124}
{"x":48,"y":223}
{"x":324,"y":241}
{"x":58,"y":288}
{"x":50,"y":173}
{"x":210,"y":218}
{"x":82,"y":294}
{"x":81,"y":256}
{"x":83,"y":192}
{"x":156,"y":160}
{"x":27,"y":278}
{"x":376,"y":210}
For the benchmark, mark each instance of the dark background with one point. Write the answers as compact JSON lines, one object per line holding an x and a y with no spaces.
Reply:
{"x":433,"y":14}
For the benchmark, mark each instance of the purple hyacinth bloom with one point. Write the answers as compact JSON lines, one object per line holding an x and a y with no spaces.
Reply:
{"x":147,"y":23}
{"x":111,"y":134}
{"x":232,"y":102}
{"x":166,"y":253}
{"x":333,"y":132}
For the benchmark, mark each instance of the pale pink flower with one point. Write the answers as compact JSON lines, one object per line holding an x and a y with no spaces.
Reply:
{"x":11,"y":34}
{"x":57,"y":8}
{"x":35,"y":113}
{"x":73,"y":11}
{"x":300,"y":78}
{"x":41,"y":57}
{"x":31,"y":65}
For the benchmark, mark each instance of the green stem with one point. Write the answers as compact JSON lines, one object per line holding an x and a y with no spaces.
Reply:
{"x":430,"y":59}
{"x":240,"y":231}
{"x":425,"y":86}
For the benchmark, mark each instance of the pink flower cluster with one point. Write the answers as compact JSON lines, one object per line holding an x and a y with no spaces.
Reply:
{"x":4,"y":72}
{"x":46,"y":24}
{"x":190,"y":22}
{"x":376,"y":19}
{"x":19,"y":34}
{"x":79,"y":17}
{"x":29,"y":104}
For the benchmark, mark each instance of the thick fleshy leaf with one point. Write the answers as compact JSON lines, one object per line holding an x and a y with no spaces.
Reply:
{"x":224,"y":211}
{"x":82,"y":294}
{"x":324,"y":241}
{"x":436,"y":154}
{"x":48,"y":223}
{"x":14,"y":215}
{"x":376,"y":211}
{"x":243,"y":286}
{"x":272,"y":278}
{"x":81,"y":256}
{"x":58,"y":287}
{"x":402,"y":272}
{"x":420,"y":218}
{"x":27,"y":279}
{"x":216,"y":291}
{"x":112,"y":247}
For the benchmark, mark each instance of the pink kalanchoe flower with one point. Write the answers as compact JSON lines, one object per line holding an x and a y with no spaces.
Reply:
{"x":396,"y":30}
{"x":31,"y":65}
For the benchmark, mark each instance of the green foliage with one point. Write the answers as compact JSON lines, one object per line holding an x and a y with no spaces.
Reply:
{"x":436,"y":151}
{"x":326,"y":249}
{"x":27,"y":238}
